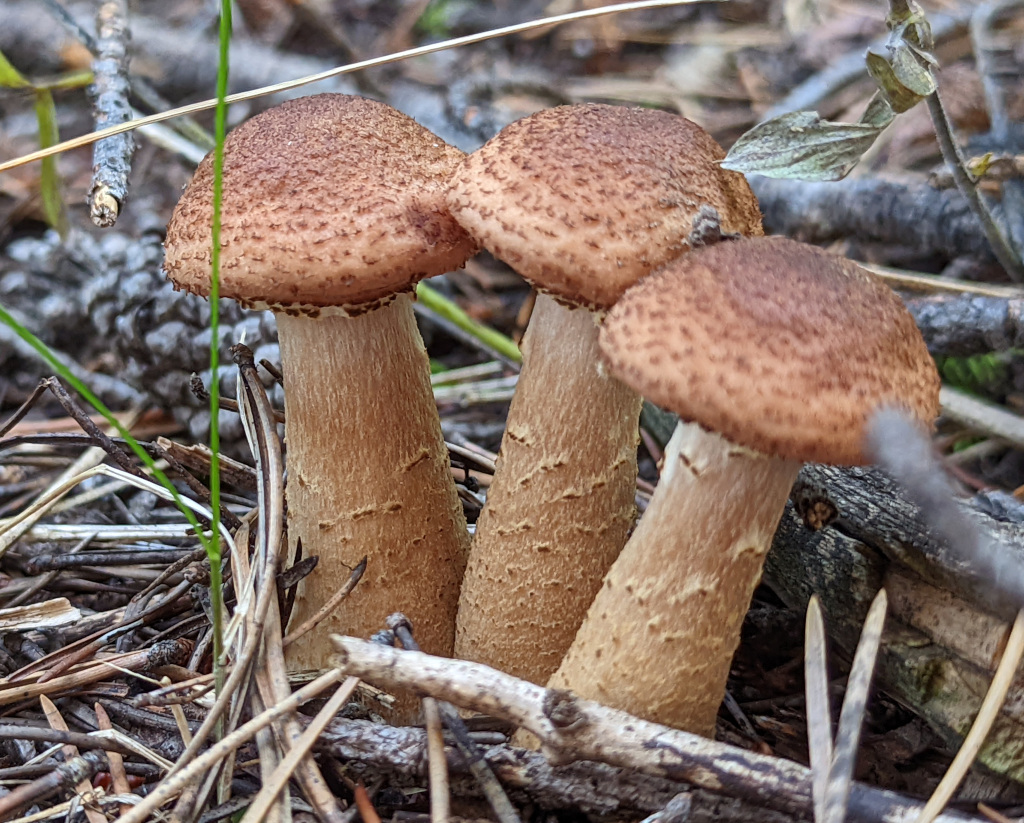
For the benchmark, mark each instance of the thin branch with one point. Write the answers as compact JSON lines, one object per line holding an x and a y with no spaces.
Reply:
{"x":112,"y":157}
{"x":968,"y":187}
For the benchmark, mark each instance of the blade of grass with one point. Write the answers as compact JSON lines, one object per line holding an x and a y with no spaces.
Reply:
{"x":46,"y":117}
{"x":493,"y":339}
{"x":419,"y":51}
{"x":49,"y":180}
{"x":220,"y":131}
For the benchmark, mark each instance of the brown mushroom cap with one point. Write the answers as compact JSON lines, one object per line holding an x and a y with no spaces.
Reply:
{"x":585,"y":200}
{"x":329,"y":200}
{"x":778,"y":346}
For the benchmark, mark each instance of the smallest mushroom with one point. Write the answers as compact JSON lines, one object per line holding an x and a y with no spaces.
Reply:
{"x":773,"y":353}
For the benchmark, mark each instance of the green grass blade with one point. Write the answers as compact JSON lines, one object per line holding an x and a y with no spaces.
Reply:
{"x":10,"y":77}
{"x":53,"y":198}
{"x":46,"y":116}
{"x":220,"y":131}
{"x":437,"y":302}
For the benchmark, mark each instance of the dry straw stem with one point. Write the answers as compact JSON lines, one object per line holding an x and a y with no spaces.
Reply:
{"x":397,"y":57}
{"x":571,"y":728}
{"x":300,"y":748}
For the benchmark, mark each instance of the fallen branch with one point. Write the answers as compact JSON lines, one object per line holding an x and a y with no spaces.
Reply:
{"x":112,"y":157}
{"x":963,"y":325}
{"x":570,"y":728}
{"x":592,"y":788}
{"x":903,"y":214}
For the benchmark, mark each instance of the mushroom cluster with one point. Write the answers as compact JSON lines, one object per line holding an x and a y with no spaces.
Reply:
{"x":771,"y":352}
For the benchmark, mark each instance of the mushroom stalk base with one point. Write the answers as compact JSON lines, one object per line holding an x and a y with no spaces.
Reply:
{"x":560,"y":505}
{"x":368,"y":475}
{"x":660,"y":635}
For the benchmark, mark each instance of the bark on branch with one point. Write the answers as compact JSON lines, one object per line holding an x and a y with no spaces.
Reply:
{"x":570,"y":728}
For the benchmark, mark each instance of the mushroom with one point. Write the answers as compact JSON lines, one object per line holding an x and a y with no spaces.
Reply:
{"x":581,"y":201}
{"x":773,"y":353}
{"x":333,"y":209}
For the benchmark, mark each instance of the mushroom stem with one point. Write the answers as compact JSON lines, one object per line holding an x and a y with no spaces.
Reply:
{"x":660,"y":635}
{"x":368,"y":473}
{"x":561,"y":503}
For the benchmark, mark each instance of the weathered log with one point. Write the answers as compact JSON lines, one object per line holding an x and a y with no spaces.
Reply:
{"x":846,"y":533}
{"x":591,"y":788}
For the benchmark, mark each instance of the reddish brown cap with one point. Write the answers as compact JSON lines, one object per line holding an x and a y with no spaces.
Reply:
{"x":330,"y":200}
{"x":585,"y":200}
{"x":778,"y":346}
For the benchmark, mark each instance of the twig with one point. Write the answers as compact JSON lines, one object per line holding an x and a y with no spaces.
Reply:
{"x":982,"y":417}
{"x":43,"y":563}
{"x":330,"y":605}
{"x":197,"y":766}
{"x":25,"y":407}
{"x":968,"y":187}
{"x":64,"y":775}
{"x":46,"y":579}
{"x":300,"y":748}
{"x":995,"y":67}
{"x":569,"y":727}
{"x":495,"y":794}
{"x":77,"y":739}
{"x":849,"y":68}
{"x":111,"y":157}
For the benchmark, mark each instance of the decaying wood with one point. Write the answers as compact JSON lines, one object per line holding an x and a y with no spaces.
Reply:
{"x":570,"y":728}
{"x":967,"y":324}
{"x":848,"y":532}
{"x":112,"y":157}
{"x":867,"y":506}
{"x":593,"y":788}
{"x":907,"y":215}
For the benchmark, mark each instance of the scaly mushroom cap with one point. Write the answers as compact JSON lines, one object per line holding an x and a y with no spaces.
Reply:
{"x":584,"y":200}
{"x":329,"y":200}
{"x":776,"y":345}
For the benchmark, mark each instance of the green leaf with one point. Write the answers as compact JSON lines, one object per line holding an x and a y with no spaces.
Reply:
{"x":10,"y":77}
{"x":49,"y":183}
{"x":801,"y":146}
{"x":901,"y":76}
{"x":879,"y":112}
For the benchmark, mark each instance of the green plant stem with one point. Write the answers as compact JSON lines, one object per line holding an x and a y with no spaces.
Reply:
{"x":438,"y":303}
{"x":968,"y":188}
{"x":220,"y":131}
